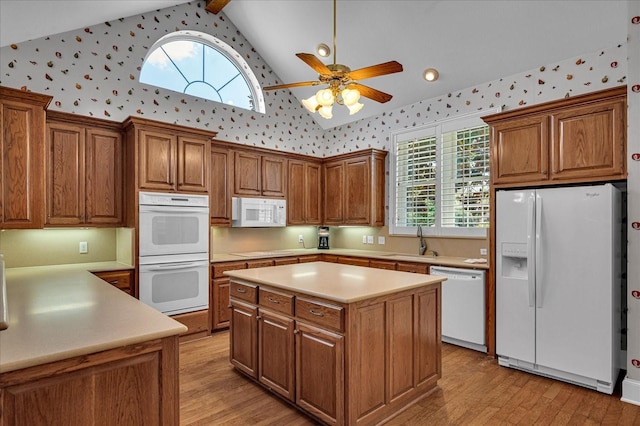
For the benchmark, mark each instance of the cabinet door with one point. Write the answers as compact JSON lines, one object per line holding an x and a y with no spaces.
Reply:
{"x":334,"y":193}
{"x":103,"y":177}
{"x":243,"y":337}
{"x":313,"y":194}
{"x":276,"y":353}
{"x":589,"y":141}
{"x":65,"y":174}
{"x":357,"y":191}
{"x":247,"y":174}
{"x":193,"y":164}
{"x":520,"y":150}
{"x":219,"y":189}
{"x":22,"y":157}
{"x":320,"y":373}
{"x":157,"y":162}
{"x":274,"y":177}
{"x":296,"y":193}
{"x":220,"y":303}
{"x":428,"y":338}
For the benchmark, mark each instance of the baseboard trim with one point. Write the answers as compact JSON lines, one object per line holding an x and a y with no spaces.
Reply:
{"x":630,"y":391}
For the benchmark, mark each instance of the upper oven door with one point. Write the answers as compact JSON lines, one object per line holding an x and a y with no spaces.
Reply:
{"x":173,"y":230}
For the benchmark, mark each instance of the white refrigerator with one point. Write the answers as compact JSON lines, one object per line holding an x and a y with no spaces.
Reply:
{"x":558,"y":283}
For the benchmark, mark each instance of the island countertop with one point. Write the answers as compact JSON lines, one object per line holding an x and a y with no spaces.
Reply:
{"x":59,"y":312}
{"x":337,"y":282}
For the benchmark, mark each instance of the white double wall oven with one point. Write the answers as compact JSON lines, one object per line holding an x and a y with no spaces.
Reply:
{"x":173,"y":251}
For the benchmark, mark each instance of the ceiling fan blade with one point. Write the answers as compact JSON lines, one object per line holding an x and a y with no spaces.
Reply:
{"x":376,"y":70}
{"x":314,"y":63}
{"x":284,"y":86}
{"x":215,"y":6}
{"x":371,"y":93}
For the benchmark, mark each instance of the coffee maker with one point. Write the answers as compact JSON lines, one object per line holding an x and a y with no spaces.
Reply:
{"x":323,"y":237}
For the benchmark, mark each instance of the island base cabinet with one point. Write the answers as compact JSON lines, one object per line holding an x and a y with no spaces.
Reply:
{"x":243,"y":336}
{"x":320,"y":373}
{"x":135,"y":384}
{"x":276,"y":353}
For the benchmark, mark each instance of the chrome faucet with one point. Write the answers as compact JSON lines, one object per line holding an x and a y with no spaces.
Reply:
{"x":423,"y":242}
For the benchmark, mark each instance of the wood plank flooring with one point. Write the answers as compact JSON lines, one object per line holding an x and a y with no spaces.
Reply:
{"x":474,"y":390}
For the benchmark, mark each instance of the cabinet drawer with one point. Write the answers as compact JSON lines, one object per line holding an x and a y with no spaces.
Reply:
{"x":119,"y":279}
{"x":383,"y":264}
{"x":220,"y":269}
{"x":311,"y":258}
{"x":356,"y":261}
{"x":244,"y":291}
{"x":285,"y":261}
{"x":259,"y":263}
{"x":320,"y":313}
{"x":280,"y":302}
{"x":417,"y":268}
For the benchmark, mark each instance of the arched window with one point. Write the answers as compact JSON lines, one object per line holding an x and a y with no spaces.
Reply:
{"x":200,"y":65}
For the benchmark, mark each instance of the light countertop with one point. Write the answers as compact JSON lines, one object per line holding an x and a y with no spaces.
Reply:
{"x":58,"y":312}
{"x":333,"y":281}
{"x":458,"y":262}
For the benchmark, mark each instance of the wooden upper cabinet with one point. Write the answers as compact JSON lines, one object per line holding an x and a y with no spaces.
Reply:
{"x":193,"y":164}
{"x":589,"y":141}
{"x":221,"y":171}
{"x":304,"y":193}
{"x":354,"y":189}
{"x":22,"y":151}
{"x":84,"y":172}
{"x":334,"y":192}
{"x":520,"y":150}
{"x":579,"y":139}
{"x":157,"y":160}
{"x":168,"y":157}
{"x":259,"y":175}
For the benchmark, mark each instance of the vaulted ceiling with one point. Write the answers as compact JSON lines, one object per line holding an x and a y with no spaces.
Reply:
{"x":469,"y":42}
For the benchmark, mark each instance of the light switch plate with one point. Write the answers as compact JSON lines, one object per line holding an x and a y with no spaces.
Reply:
{"x":84,"y":247}
{"x":483,"y":252}
{"x":381,"y":240}
{"x":370,"y":239}
{"x":364,"y":239}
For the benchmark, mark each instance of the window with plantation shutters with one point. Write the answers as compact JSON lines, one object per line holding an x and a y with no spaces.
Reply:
{"x":440,"y":179}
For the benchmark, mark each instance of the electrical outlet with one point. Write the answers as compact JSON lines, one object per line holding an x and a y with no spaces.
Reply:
{"x":300,"y":239}
{"x":381,"y":240}
{"x":84,"y":247}
{"x":364,"y":239}
{"x":483,"y":252}
{"x":370,"y":239}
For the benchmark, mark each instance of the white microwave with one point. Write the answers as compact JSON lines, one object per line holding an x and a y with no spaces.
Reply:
{"x":258,"y":212}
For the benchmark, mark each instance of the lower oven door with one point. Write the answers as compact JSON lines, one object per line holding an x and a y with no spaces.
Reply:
{"x":175,"y":287}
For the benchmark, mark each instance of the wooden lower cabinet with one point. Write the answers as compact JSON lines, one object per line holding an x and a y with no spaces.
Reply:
{"x":124,"y":280}
{"x":344,"y":364}
{"x":197,"y":324}
{"x":136,"y":384}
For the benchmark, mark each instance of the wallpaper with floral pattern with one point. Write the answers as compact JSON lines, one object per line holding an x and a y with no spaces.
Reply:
{"x":94,"y":71}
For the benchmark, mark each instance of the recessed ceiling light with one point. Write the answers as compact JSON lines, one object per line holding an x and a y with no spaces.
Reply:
{"x":430,"y":74}
{"x":323,"y":50}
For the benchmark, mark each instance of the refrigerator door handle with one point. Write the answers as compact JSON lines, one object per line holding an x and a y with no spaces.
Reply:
{"x":531,"y":261}
{"x":538,"y":265}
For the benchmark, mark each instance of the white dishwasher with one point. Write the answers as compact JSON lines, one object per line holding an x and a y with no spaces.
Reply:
{"x":463,"y":307}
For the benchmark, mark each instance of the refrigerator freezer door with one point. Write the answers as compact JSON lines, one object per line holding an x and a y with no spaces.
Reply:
{"x":515,"y":315}
{"x":574,"y":270}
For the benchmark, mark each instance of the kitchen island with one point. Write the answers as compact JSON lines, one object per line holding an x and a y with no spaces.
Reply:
{"x":79,"y":351}
{"x":347,"y":344}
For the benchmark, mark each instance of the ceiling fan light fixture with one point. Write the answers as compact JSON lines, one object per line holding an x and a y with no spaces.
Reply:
{"x":355,"y":108}
{"x":325,"y":97}
{"x":350,"y":96}
{"x":431,"y":74}
{"x":311,"y":104}
{"x":323,"y":50}
{"x":326,"y":111}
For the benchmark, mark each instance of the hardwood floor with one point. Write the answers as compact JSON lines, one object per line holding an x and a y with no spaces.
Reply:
{"x":474,"y":390}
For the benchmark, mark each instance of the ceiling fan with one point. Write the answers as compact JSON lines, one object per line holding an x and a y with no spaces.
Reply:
{"x":343,"y":82}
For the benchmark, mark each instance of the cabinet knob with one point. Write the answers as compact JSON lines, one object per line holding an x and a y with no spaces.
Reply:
{"x":296,"y":331}
{"x":272,"y":300}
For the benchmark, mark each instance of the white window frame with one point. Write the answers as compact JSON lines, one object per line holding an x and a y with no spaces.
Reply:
{"x":434,"y":129}
{"x":226,"y":50}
